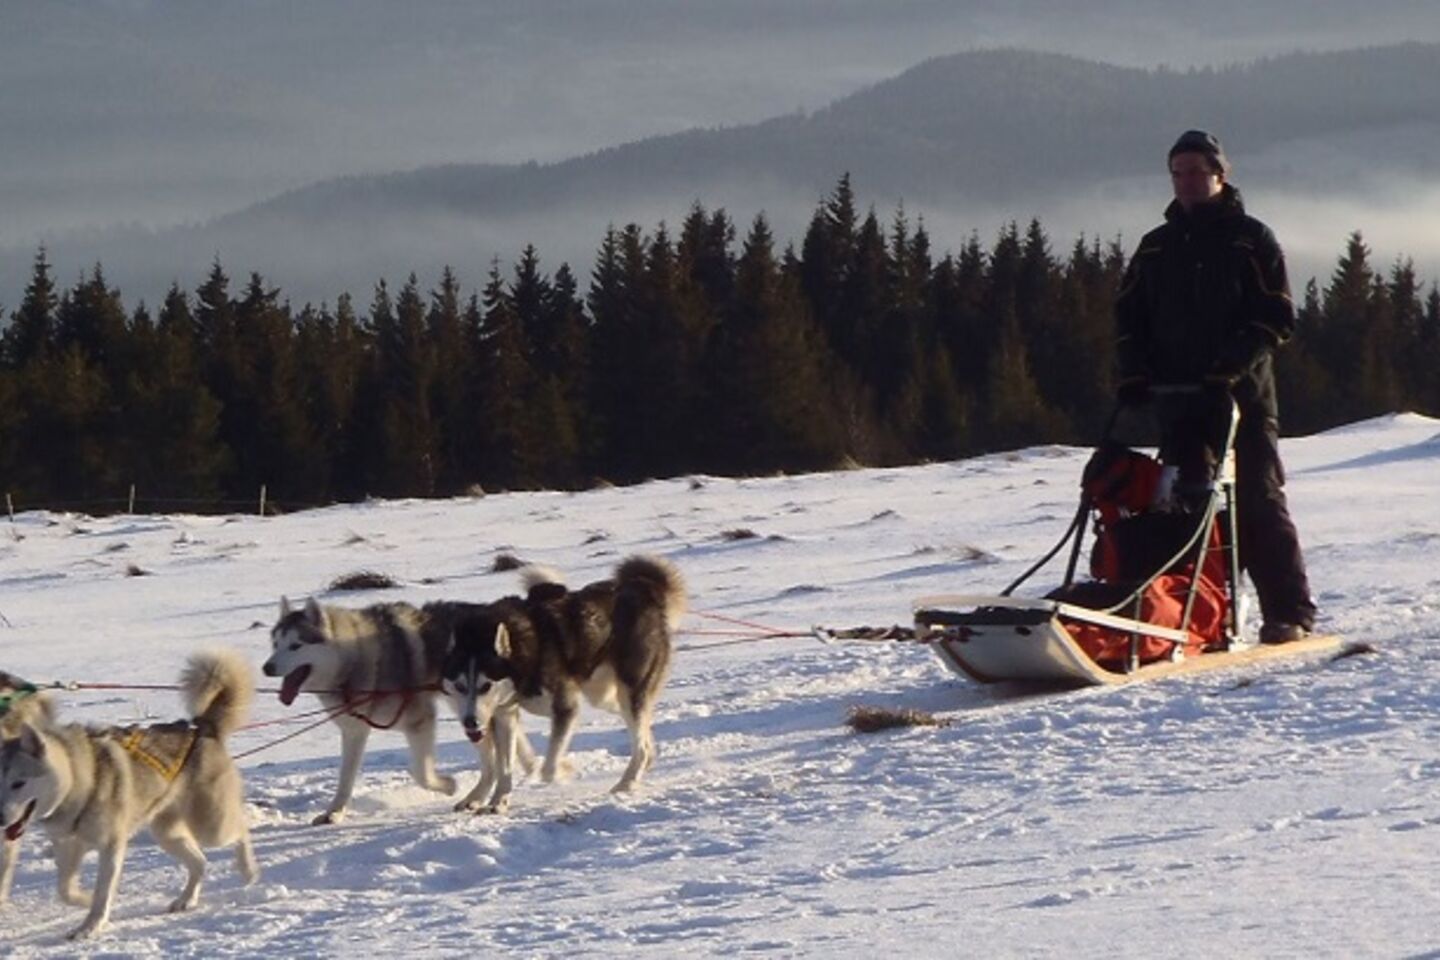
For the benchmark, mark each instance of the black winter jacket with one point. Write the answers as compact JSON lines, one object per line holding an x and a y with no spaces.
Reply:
{"x":1205,"y":298}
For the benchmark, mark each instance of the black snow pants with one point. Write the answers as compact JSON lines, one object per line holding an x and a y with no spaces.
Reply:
{"x":1192,"y":431}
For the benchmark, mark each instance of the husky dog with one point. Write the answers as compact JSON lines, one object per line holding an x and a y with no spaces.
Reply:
{"x":92,"y":788}
{"x":374,"y":667}
{"x":608,"y":642}
{"x":20,"y":703}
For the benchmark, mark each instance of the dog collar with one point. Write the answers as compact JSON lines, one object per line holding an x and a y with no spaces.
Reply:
{"x":20,"y":693}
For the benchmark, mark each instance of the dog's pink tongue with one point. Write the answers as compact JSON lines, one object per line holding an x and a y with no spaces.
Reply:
{"x":16,"y":829}
{"x":290,"y":686}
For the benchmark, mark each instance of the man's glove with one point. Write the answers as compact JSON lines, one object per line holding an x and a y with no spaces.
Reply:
{"x":1133,"y":392}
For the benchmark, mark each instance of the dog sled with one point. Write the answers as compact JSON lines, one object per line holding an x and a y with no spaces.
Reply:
{"x":1163,"y":594}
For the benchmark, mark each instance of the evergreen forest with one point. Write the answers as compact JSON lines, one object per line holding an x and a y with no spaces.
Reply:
{"x":692,"y":351}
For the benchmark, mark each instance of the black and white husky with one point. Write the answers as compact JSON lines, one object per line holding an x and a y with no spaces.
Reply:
{"x":608,"y":643}
{"x":377,"y":667}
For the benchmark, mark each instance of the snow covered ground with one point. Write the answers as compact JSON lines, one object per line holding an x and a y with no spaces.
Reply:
{"x":1289,"y":810}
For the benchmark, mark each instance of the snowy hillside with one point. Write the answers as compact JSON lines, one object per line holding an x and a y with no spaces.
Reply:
{"x":1285,"y":811}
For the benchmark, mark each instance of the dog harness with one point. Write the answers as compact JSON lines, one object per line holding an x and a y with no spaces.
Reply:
{"x":7,"y":701}
{"x":140,"y":743}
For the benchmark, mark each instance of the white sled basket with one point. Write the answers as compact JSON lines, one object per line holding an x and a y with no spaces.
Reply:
{"x":994,"y":639}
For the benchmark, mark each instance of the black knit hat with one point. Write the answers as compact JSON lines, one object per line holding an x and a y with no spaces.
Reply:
{"x":1198,"y":141}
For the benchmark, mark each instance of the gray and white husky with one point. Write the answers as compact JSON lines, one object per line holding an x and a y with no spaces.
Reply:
{"x":92,"y":788}
{"x":608,"y":643}
{"x":20,"y":703}
{"x":373,"y":668}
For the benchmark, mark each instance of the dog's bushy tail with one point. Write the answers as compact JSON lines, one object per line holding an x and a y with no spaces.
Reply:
{"x":660,"y":579}
{"x":533,"y":575}
{"x":218,"y":687}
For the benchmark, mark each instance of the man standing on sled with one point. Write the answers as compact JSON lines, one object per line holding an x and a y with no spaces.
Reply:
{"x":1205,"y":301}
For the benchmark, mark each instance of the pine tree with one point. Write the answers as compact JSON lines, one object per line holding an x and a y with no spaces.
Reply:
{"x":405,"y":364}
{"x":172,"y":422}
{"x":450,"y":383}
{"x":1429,"y":353}
{"x":91,"y":318}
{"x":705,"y":256}
{"x":277,"y":447}
{"x":826,"y":256}
{"x":1406,"y":355}
{"x":32,"y":327}
{"x":506,"y":382}
{"x":1305,"y":385}
{"x":647,"y":343}
{"x":767,"y":372}
{"x":550,"y":326}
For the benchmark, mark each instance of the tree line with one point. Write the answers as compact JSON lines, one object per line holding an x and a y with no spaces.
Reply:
{"x":686,"y":352}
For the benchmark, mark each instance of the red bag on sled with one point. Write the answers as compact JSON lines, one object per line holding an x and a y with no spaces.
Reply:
{"x":1131,"y":544}
{"x":1162,"y":604}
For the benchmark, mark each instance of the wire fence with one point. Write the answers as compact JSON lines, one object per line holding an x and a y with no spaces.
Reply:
{"x":136,"y":503}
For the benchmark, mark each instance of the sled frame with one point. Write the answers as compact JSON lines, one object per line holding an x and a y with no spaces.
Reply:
{"x":1009,"y":638}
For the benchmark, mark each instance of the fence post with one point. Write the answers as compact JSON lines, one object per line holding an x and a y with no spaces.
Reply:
{"x":262,"y":499}
{"x":10,"y":506}
{"x":131,"y":508}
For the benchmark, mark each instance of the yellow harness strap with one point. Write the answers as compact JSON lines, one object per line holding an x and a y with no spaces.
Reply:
{"x":133,"y":742}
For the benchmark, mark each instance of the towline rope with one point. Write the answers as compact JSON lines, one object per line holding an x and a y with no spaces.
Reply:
{"x":752,"y":633}
{"x":352,"y":703}
{"x":81,"y":686}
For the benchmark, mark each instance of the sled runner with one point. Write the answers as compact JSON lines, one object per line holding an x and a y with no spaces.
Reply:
{"x":1162,"y":597}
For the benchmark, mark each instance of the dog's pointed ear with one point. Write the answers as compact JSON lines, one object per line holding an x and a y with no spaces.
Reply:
{"x":502,"y":641}
{"x":31,"y":742}
{"x":284,"y":607}
{"x":314,"y":614}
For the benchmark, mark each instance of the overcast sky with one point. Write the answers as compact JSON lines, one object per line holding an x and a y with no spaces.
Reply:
{"x":161,"y":112}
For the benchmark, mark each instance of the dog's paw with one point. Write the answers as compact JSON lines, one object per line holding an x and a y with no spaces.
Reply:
{"x":246,"y":866}
{"x":557,"y":773}
{"x":446,"y":785}
{"x":329,"y":816}
{"x":86,"y":930}
{"x":475,"y":807}
{"x":183,"y":903}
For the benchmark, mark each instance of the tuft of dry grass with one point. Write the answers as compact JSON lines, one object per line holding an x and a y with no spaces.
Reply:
{"x":739,"y":533}
{"x":362,"y":580}
{"x":875,"y":719}
{"x":133,"y":571}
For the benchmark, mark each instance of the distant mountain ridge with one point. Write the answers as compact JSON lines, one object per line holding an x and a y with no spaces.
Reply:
{"x":990,"y":123}
{"x":964,"y":140}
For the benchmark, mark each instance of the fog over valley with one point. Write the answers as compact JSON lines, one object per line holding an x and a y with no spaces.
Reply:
{"x":328,"y":144}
